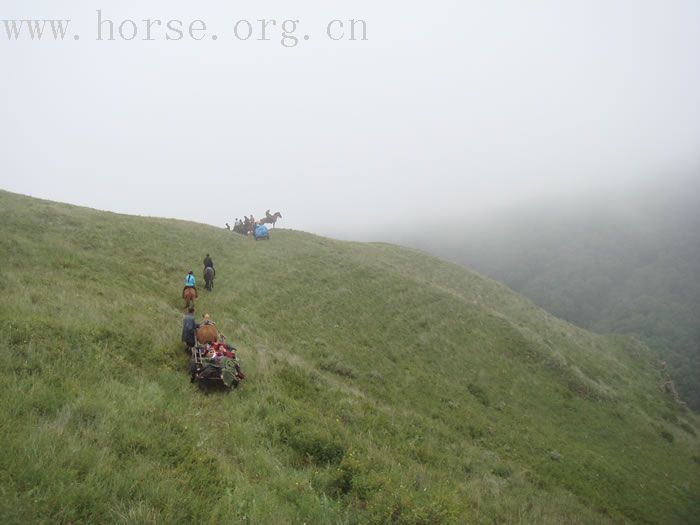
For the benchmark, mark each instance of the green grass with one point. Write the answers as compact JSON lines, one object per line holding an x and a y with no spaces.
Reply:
{"x":384,"y":386}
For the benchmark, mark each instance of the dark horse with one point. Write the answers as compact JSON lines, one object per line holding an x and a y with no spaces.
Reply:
{"x":209,"y":275}
{"x":271,"y":219}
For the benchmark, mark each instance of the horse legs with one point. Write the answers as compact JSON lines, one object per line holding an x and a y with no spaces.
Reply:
{"x":189,"y":301}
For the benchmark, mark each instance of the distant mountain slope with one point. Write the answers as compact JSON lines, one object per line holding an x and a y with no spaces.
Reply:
{"x":384,"y":385}
{"x":627,"y":264}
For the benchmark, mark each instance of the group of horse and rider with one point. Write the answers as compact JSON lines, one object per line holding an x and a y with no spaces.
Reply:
{"x":189,"y":292}
{"x":248,"y":225}
{"x":212,"y":359}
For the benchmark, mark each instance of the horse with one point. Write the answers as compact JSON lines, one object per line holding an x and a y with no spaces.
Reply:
{"x":209,"y":275}
{"x":189,"y":295}
{"x":207,"y":333}
{"x":271,"y":219}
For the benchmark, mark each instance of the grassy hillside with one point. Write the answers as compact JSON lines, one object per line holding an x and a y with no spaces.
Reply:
{"x":384,"y":386}
{"x":626,"y":265}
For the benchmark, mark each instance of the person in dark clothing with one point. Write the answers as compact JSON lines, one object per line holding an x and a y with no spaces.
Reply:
{"x":189,"y":328}
{"x":208,"y":263}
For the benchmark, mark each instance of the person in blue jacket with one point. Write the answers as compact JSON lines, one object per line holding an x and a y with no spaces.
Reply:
{"x":190,"y":282}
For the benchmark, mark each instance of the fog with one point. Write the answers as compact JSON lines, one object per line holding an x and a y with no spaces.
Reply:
{"x":656,"y":211}
{"x":447,"y":110}
{"x":612,"y":260}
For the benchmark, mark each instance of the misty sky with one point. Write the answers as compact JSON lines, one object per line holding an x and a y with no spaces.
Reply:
{"x":448,"y":108}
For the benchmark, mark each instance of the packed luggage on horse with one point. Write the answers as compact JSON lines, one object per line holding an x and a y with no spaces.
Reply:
{"x":212,"y":360}
{"x":261,"y":232}
{"x":215,"y":363}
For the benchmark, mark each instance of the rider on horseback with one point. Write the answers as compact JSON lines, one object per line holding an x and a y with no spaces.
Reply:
{"x":189,"y":283}
{"x":208,"y":263}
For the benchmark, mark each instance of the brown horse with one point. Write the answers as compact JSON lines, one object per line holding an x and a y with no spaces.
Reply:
{"x":189,"y":295}
{"x":207,"y":333}
{"x":271,"y":219}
